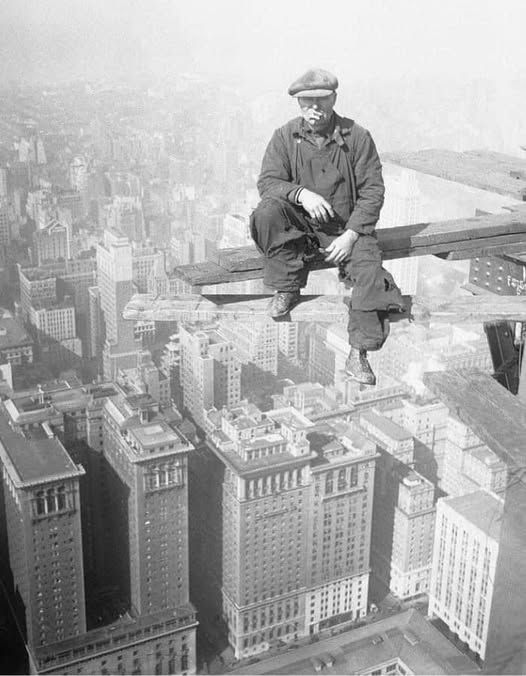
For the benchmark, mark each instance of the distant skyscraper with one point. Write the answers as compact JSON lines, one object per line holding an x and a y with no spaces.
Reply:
{"x":210,"y":370}
{"x":288,"y":340}
{"x":115,"y":283}
{"x":465,"y":554}
{"x":52,"y":242}
{"x":79,"y":179}
{"x":402,"y":207}
{"x":3,"y":182}
{"x":256,"y":346}
{"x":5,"y":226}
{"x":413,"y":531}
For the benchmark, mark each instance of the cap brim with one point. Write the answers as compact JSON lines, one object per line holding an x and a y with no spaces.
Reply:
{"x":313,"y":93}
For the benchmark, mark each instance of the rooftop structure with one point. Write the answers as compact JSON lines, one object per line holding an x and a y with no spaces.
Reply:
{"x":404,"y":643}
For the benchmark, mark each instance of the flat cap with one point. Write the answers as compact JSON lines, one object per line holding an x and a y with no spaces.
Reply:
{"x":315,"y":82}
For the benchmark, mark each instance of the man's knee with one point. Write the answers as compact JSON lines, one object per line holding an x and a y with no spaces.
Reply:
{"x":271,"y":224}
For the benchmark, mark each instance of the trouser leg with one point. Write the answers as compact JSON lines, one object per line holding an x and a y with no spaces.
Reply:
{"x":279,"y":234}
{"x":374,"y":294}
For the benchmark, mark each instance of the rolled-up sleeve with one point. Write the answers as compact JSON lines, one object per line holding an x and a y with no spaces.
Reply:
{"x":369,"y":186}
{"x":275,"y":179}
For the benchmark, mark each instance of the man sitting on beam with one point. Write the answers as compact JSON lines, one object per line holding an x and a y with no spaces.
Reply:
{"x":321,"y":190}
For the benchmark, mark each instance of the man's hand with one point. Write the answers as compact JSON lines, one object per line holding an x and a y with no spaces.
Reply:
{"x":341,"y":247}
{"x":316,"y":206}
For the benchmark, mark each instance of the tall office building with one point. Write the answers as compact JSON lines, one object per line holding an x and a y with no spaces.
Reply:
{"x":466,"y":547}
{"x":5,"y":225}
{"x":149,"y":514}
{"x":209,"y":371}
{"x":146,"y":260}
{"x":79,"y":179}
{"x":115,"y":283}
{"x":288,"y":341}
{"x":403,"y":206}
{"x":36,"y":285}
{"x":413,"y":531}
{"x":256,"y":343}
{"x":52,"y":242}
{"x":42,"y":505}
{"x":3,"y":182}
{"x":135,"y":615}
{"x":264,"y":525}
{"x":340,"y":511}
{"x":295,"y":518}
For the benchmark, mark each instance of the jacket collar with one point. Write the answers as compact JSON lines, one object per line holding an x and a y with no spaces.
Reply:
{"x":341,"y":127}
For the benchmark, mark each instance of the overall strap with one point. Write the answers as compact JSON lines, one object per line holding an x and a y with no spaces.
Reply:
{"x":342,"y":143}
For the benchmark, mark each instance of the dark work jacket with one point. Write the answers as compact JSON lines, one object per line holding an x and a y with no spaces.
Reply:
{"x":346,"y":170}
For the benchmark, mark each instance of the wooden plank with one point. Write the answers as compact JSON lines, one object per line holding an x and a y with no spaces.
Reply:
{"x":495,"y":415}
{"x":402,"y":240}
{"x":457,"y":239}
{"x":494,"y":172}
{"x":484,"y":250}
{"x":321,"y":308}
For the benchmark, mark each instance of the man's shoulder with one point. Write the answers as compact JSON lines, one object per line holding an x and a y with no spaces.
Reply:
{"x":348,"y":126}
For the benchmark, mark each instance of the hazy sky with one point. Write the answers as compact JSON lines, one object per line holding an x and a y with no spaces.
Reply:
{"x":268,"y":42}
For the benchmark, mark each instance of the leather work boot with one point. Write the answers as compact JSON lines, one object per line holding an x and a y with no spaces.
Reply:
{"x":357,"y":367}
{"x":282,"y":303}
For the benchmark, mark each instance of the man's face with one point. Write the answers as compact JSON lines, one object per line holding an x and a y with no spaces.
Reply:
{"x":317,"y":111}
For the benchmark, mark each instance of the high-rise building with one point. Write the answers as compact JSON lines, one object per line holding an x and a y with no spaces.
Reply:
{"x":3,"y":182}
{"x":295,"y":519}
{"x":42,"y":505}
{"x":115,"y":283}
{"x":5,"y":226}
{"x":123,"y":535}
{"x":264,"y":525}
{"x":210,"y":370}
{"x":403,"y":206}
{"x":395,"y":447}
{"x":52,"y":242}
{"x":288,"y":340}
{"x":256,"y":343}
{"x":36,"y":285}
{"x":149,"y":458}
{"x":413,"y":534}
{"x":146,"y":260}
{"x":95,"y":324}
{"x":340,"y":511}
{"x":465,"y":554}
{"x":79,"y":179}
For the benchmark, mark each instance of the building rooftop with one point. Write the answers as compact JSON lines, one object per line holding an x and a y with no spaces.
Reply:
{"x":290,"y":417}
{"x":407,"y":637}
{"x":12,"y":334}
{"x":386,"y":426}
{"x":481,"y":508}
{"x":253,"y":468}
{"x":487,"y":456}
{"x":156,"y":433}
{"x":336,"y":441}
{"x":34,"y":460}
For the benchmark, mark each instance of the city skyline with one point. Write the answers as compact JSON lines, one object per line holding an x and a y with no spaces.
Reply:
{"x":210,"y":496}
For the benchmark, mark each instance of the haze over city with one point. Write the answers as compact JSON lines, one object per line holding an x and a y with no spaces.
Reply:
{"x":191,"y":488}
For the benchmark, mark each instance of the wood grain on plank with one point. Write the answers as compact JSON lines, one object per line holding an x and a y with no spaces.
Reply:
{"x":321,"y":308}
{"x":495,"y":415}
